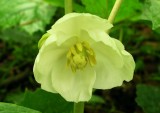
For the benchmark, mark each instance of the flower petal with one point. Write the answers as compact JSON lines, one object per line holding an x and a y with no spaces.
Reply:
{"x":45,"y":80}
{"x":106,"y":46}
{"x":71,"y":25}
{"x":48,"y":54}
{"x":108,"y":74}
{"x":128,"y":60}
{"x":81,"y":20}
{"x":100,"y":41}
{"x":73,"y":86}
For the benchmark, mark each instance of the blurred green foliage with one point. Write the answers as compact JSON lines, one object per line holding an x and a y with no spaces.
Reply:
{"x":151,"y":12}
{"x":23,"y":22}
{"x":28,"y":15}
{"x":148,"y":98}
{"x":12,"y":108}
{"x":46,"y":102}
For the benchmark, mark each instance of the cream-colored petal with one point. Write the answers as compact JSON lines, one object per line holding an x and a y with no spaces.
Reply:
{"x":128,"y":60}
{"x":82,"y":20}
{"x":99,"y":35}
{"x":73,"y":86}
{"x":106,"y":46}
{"x":44,"y":79}
{"x":71,"y":25}
{"x":128,"y":68}
{"x":108,"y":74}
{"x":118,"y":44}
{"x":45,"y":61}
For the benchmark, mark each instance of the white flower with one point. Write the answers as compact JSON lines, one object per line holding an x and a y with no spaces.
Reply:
{"x":77,"y":55}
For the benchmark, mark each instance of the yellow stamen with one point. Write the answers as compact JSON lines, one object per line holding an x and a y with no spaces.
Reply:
{"x":79,"y":55}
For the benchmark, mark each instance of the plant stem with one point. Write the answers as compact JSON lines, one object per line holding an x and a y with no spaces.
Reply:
{"x":79,"y":107}
{"x":121,"y":35}
{"x":114,"y":10}
{"x":68,"y":6}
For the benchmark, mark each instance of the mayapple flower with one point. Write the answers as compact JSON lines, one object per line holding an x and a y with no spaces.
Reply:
{"x":77,"y":55}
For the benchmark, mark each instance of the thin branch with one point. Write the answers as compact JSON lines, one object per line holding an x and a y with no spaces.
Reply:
{"x":114,"y":11}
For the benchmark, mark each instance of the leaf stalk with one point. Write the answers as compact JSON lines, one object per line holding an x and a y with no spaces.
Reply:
{"x":68,"y":6}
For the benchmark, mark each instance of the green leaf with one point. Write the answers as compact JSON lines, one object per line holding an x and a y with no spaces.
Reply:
{"x":151,"y":12}
{"x":96,"y":99}
{"x":18,"y":35}
{"x":31,"y":15}
{"x":57,"y":3}
{"x":15,"y":96}
{"x":12,"y":108}
{"x":128,"y":10}
{"x":60,"y":3}
{"x":46,"y":102}
{"x":148,"y":98}
{"x":96,"y":7}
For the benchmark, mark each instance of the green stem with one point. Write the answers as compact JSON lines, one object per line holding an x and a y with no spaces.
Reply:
{"x":79,"y":107}
{"x":68,"y":6}
{"x":114,"y":10}
{"x":121,"y":35}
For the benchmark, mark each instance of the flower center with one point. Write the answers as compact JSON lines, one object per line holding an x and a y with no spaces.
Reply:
{"x":79,"y":55}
